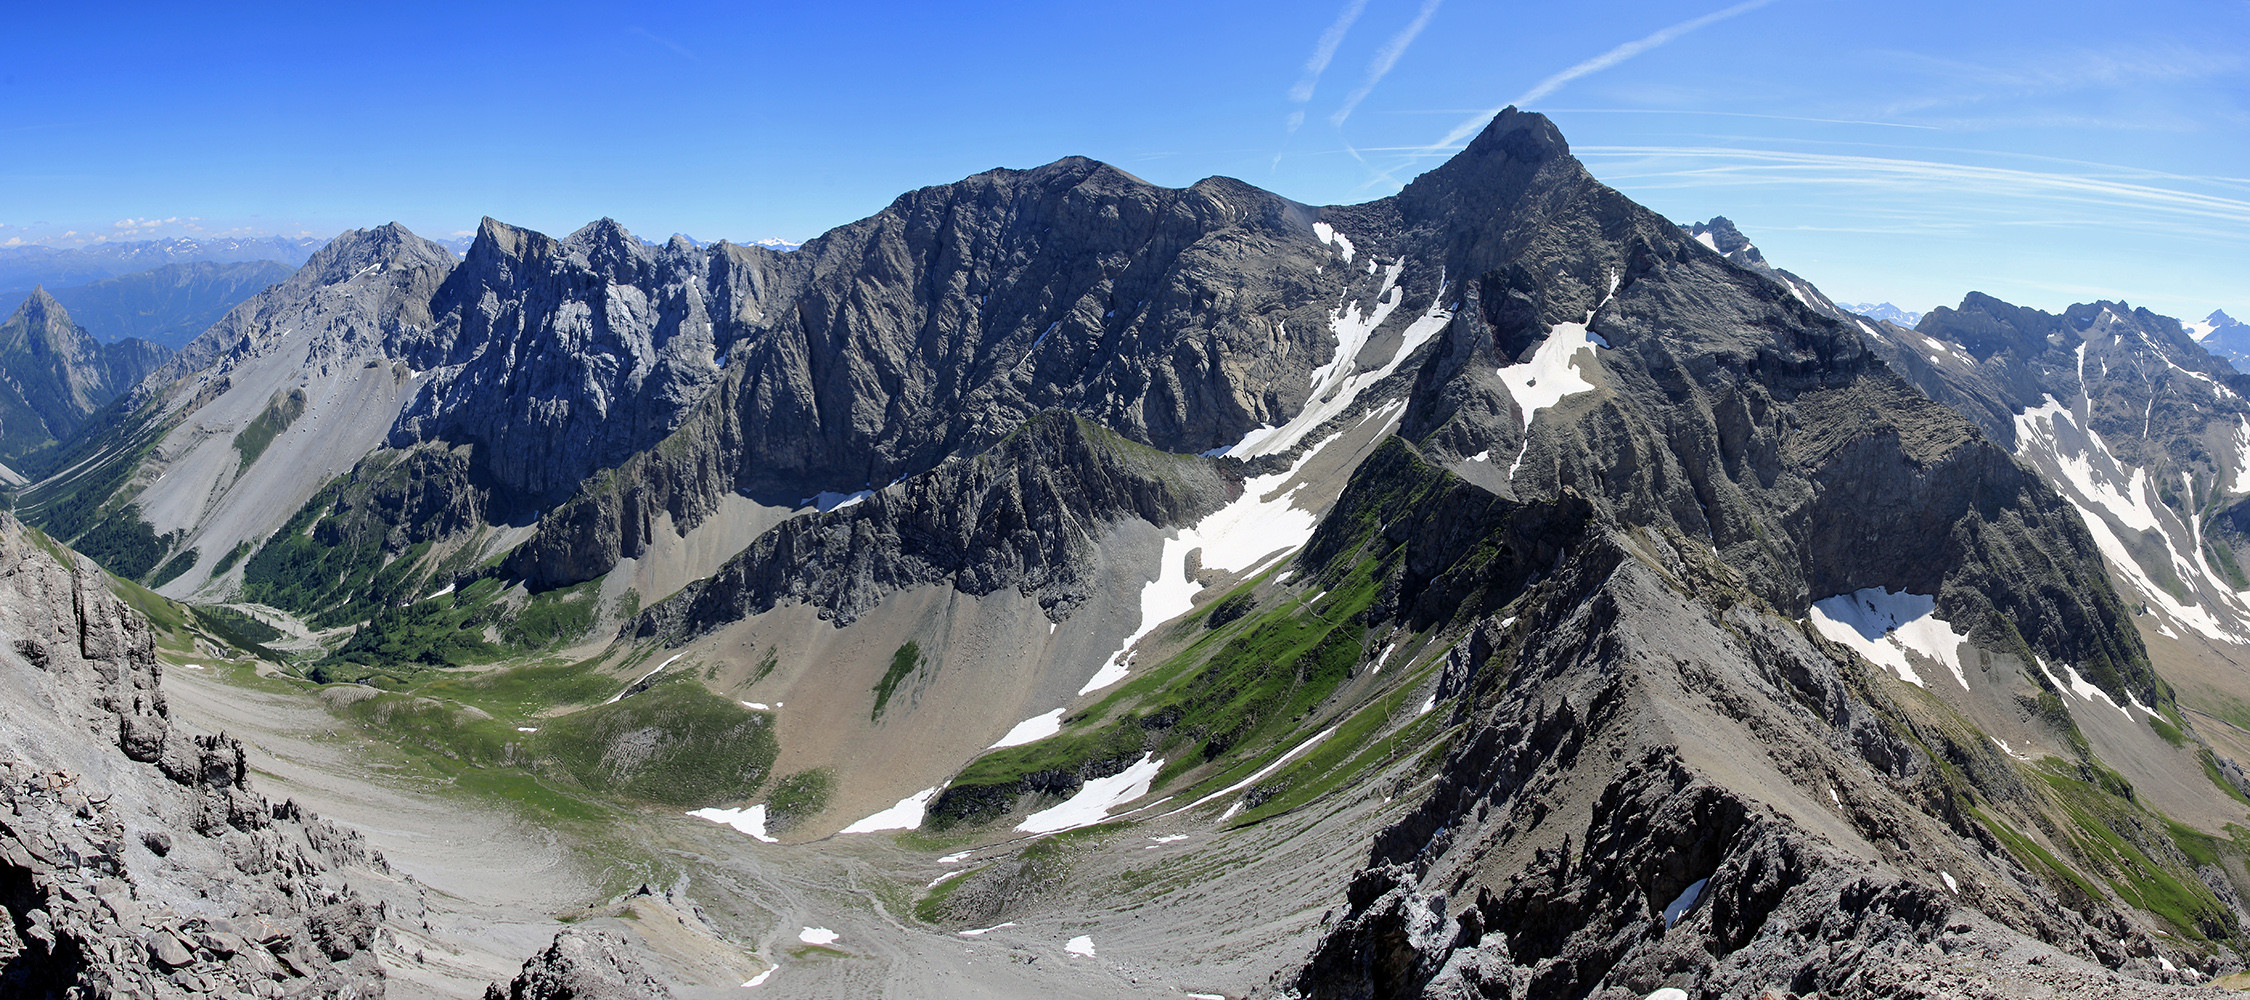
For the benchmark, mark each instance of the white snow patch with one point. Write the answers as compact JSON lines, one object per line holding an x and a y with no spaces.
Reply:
{"x":1380,"y":658}
{"x":1833,"y":797}
{"x":1263,"y":522}
{"x":982,"y":931}
{"x":906,"y":815}
{"x":1337,"y":384}
{"x":1706,"y":240}
{"x":954,"y":859}
{"x":527,"y":729}
{"x":1950,"y":885}
{"x":1080,"y":945}
{"x":1329,"y":235}
{"x":751,"y":821}
{"x":940,"y":880}
{"x":1482,"y":456}
{"x":2009,"y":750}
{"x":1882,"y":626}
{"x":759,"y":979}
{"x":2086,"y":689}
{"x":758,"y":705}
{"x":1686,"y":899}
{"x":1170,"y":838}
{"x":1094,"y":799}
{"x":1669,"y":993}
{"x":192,"y":666}
{"x":1553,"y":372}
{"x":1427,"y":704}
{"x":818,"y":935}
{"x":828,"y":500}
{"x":659,"y":669}
{"x":1260,"y":773}
{"x":1038,"y":727}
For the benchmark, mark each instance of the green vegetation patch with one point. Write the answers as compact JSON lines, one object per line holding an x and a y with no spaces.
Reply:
{"x":2104,"y":831}
{"x":904,"y":663}
{"x":234,"y":555}
{"x":124,"y":544}
{"x":676,"y":744}
{"x":555,"y":618}
{"x":798,"y":797}
{"x":1260,"y":682}
{"x":401,"y":643}
{"x":280,"y":412}
{"x":173,"y":567}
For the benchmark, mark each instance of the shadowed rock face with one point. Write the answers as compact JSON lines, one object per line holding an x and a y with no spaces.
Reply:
{"x":1026,"y":515}
{"x":132,"y":853}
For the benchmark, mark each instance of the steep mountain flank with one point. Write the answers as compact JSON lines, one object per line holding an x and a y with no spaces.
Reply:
{"x":1665,"y":782}
{"x":135,"y":860}
{"x":2141,"y":429}
{"x":1026,"y":515}
{"x":54,"y":375}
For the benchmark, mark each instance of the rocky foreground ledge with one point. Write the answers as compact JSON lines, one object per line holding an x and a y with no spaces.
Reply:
{"x":135,"y":860}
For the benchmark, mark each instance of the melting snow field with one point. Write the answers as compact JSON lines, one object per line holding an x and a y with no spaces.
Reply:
{"x":751,"y":821}
{"x":1882,"y":626}
{"x":659,"y":669}
{"x":1686,"y":900}
{"x":759,"y":979}
{"x":1293,"y":753}
{"x":1038,"y":727}
{"x":828,"y":500}
{"x":982,"y":931}
{"x":1553,"y":373}
{"x":1337,"y":384}
{"x":818,"y":935}
{"x":2105,"y":491}
{"x":1263,"y":524}
{"x":906,"y":815}
{"x":2085,"y":689}
{"x":1080,"y":945}
{"x":1094,"y":799}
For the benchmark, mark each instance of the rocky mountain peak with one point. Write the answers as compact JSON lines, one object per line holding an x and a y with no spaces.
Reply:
{"x":362,"y":251}
{"x":1720,"y":234}
{"x":42,"y":325}
{"x":607,"y":249}
{"x":1518,"y":152}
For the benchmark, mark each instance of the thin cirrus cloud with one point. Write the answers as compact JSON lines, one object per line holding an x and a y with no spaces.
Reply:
{"x":1388,"y":56}
{"x":1469,"y":126}
{"x":2074,"y":199}
{"x":1324,"y":52}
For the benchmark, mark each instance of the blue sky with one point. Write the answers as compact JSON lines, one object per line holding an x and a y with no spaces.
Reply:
{"x":2046,"y":153}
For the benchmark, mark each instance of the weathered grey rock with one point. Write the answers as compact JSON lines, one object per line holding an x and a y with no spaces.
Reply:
{"x":92,"y":744}
{"x":582,"y":964}
{"x":1025,"y":515}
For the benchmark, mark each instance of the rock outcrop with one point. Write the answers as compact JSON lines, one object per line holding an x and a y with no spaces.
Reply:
{"x":135,"y":859}
{"x":582,"y":964}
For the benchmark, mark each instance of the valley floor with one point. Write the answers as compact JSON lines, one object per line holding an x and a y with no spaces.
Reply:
{"x":1169,"y":906}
